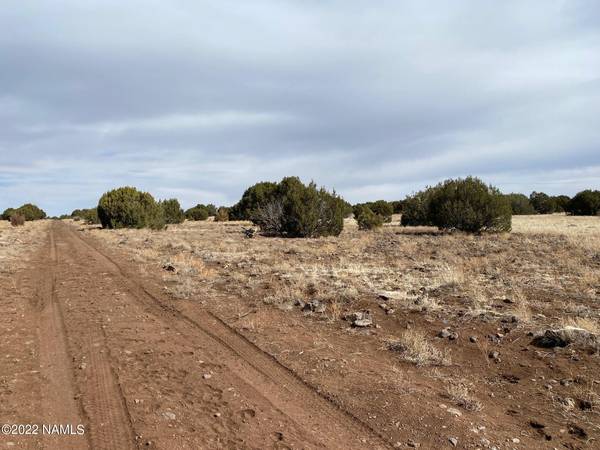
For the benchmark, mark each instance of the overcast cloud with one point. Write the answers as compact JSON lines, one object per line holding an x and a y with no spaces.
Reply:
{"x":198,"y":100}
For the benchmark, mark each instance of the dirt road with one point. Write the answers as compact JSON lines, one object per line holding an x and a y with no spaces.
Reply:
{"x":92,"y":345}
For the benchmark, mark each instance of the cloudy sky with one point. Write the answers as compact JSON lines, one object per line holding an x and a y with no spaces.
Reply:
{"x":198,"y":100}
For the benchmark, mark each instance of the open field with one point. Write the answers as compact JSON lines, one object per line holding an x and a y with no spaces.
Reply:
{"x":483,"y":382}
{"x":197,"y":337}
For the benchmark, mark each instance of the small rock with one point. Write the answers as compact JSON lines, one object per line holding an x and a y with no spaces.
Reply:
{"x":413,"y":444}
{"x":473,"y":339}
{"x":169,"y":415}
{"x":207,"y":376}
{"x":453,"y":441}
{"x":516,"y":440}
{"x":454,"y":411}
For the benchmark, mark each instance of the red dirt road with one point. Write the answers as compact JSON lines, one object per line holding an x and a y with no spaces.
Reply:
{"x":86,"y":343}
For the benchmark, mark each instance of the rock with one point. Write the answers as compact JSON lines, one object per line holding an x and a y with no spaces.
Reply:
{"x":207,"y":376}
{"x":562,"y":337}
{"x":169,"y":415}
{"x":550,"y":339}
{"x":473,"y":339}
{"x":494,"y":355}
{"x":516,"y":440}
{"x":360,"y":319}
{"x":169,"y":267}
{"x":314,"y":305}
{"x":447,"y":333}
{"x":413,"y":444}
{"x":454,"y":412}
{"x":453,"y":441}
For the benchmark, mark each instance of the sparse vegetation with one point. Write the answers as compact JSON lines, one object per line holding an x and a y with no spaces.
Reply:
{"x":415,"y":348}
{"x":222,"y":214}
{"x":127,"y":207}
{"x":367,"y":219}
{"x":89,"y":215}
{"x":17,"y":220}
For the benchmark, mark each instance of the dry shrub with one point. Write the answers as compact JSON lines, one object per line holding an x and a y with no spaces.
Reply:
{"x":415,"y":348}
{"x":17,"y":220}
{"x":459,"y":393}
{"x":585,"y":323}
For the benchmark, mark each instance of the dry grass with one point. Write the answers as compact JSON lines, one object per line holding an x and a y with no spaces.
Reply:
{"x":415,"y":348}
{"x":459,"y":393}
{"x":546,"y":257}
{"x":18,"y":243}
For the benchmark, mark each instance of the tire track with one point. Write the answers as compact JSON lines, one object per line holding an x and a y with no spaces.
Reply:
{"x":324,"y":420}
{"x":58,"y":405}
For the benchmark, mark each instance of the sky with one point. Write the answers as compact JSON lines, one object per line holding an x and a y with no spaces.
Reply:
{"x":198,"y":100}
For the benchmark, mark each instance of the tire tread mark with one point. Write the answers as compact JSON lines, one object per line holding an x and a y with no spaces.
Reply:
{"x":221,"y":329}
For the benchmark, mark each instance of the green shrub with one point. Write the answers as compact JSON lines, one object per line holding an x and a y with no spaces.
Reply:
{"x":89,"y":215}
{"x":172,"y":211}
{"x":415,"y":209}
{"x":380,"y":207}
{"x":8,"y":213}
{"x":542,"y":203}
{"x":222,"y":214}
{"x":561,"y":202}
{"x":520,"y":204}
{"x":212,"y":209}
{"x":293,"y":209}
{"x":198,"y":212}
{"x":126,"y":207}
{"x":464,"y":204}
{"x":367,"y":219}
{"x":30,"y":212}
{"x":17,"y":220}
{"x":397,"y":206}
{"x":254,"y":196}
{"x":585,"y":203}
{"x":469,"y":205}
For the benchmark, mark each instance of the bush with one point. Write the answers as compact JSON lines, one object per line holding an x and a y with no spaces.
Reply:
{"x":292,"y":209}
{"x":222,"y":214}
{"x":254,"y":196}
{"x":561,"y":202}
{"x":520,"y":204}
{"x":380,"y":207}
{"x":397,"y":206}
{"x":470,"y":205}
{"x":542,"y":203}
{"x":172,"y":211}
{"x":198,"y":212}
{"x":30,"y":212}
{"x":212,"y":209}
{"x":126,"y":207}
{"x":17,"y":220}
{"x":464,"y":204}
{"x":367,"y":219}
{"x":89,"y":215}
{"x":585,"y":203}
{"x":8,"y":213}
{"x":415,"y":209}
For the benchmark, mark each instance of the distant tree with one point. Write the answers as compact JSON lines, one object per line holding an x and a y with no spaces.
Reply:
{"x":561,"y":202}
{"x":542,"y":203}
{"x":520,"y":204}
{"x":172,"y":211}
{"x":198,"y":212}
{"x":31,"y":212}
{"x":397,"y":205}
{"x":585,"y":203}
